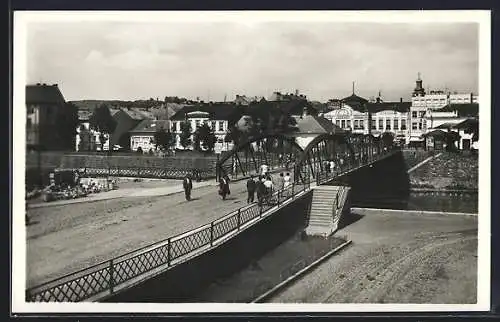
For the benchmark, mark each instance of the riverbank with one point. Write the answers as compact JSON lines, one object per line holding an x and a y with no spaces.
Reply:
{"x":448,"y":171}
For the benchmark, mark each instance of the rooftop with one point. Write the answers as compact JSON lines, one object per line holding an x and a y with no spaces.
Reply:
{"x":216,"y":111}
{"x":401,"y":107}
{"x":150,"y":126}
{"x":463,"y":110}
{"x":44,"y":94}
{"x":312,"y":124}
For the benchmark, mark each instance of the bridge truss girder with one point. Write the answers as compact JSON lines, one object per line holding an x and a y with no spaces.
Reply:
{"x":274,"y":150}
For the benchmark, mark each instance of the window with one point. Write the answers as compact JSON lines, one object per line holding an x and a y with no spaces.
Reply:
{"x":380,"y":124}
{"x":356,"y":124}
{"x":414,"y":125}
{"x":337,"y":122}
{"x":421,"y":114}
{"x":348,"y":123}
{"x":396,"y":124}
{"x":420,"y":125}
{"x":28,"y":122}
{"x":361,"y":125}
{"x":414,"y":114}
{"x":197,"y":122}
{"x":212,"y":125}
{"x":343,"y":124}
{"x":403,"y":124}
{"x":387,"y":124}
{"x":374,"y":124}
{"x":221,"y":126}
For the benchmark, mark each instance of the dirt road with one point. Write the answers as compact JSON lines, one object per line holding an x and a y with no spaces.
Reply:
{"x":396,"y":258}
{"x":63,"y":239}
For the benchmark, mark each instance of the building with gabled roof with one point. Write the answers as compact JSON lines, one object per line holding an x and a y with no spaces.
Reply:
{"x":142,"y":136}
{"x":217,"y":116}
{"x":47,"y":118}
{"x":310,"y":126}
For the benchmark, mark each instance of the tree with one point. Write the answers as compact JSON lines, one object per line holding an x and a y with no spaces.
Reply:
{"x":206,"y":136}
{"x":185,"y":136}
{"x":84,"y":134}
{"x":67,"y":122}
{"x":102,"y":121}
{"x":163,"y":139}
{"x":451,"y":138}
{"x":234,"y":135}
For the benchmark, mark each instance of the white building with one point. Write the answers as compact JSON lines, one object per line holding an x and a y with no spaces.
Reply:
{"x":92,"y":137}
{"x":426,"y":109}
{"x":355,"y":112}
{"x":216,"y":115}
{"x":142,"y":136}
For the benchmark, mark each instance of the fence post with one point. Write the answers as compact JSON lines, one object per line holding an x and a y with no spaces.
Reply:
{"x":169,"y":251}
{"x":239,"y":218}
{"x":111,"y":276}
{"x":211,"y":234}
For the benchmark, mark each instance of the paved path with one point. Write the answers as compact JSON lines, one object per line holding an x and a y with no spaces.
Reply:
{"x":396,"y":258}
{"x":423,"y":162}
{"x":69,"y":237}
{"x":126,"y":192}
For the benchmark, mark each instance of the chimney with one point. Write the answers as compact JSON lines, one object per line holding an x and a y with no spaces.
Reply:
{"x":401,"y":99}
{"x":54,"y":85}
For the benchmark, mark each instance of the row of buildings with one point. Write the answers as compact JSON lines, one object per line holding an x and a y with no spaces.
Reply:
{"x":412,"y":122}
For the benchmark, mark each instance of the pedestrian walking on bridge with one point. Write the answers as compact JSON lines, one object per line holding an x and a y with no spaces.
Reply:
{"x":224,"y":187}
{"x":251,"y":187}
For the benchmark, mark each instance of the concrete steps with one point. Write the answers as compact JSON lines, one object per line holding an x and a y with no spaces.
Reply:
{"x":324,"y":215}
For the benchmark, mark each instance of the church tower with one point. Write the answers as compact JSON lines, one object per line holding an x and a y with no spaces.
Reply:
{"x":419,"y":89}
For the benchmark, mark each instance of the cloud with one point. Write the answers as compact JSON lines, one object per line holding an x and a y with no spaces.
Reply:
{"x":142,"y":60}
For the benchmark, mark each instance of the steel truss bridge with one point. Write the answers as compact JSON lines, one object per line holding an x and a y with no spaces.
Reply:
{"x":280,"y":153}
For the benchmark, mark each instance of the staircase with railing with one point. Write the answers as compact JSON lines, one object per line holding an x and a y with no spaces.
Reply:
{"x":326,"y":209}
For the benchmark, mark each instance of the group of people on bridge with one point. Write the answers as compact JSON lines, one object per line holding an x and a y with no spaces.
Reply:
{"x":264,"y":186}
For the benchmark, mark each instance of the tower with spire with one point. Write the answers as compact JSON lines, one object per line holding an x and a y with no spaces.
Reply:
{"x":419,"y":89}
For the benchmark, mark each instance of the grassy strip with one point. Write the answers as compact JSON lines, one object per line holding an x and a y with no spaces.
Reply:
{"x":270,"y":270}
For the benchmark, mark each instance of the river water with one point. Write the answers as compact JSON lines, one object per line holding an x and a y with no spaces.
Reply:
{"x":466,"y":202}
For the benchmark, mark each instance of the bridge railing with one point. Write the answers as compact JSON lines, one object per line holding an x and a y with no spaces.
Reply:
{"x":325,"y":176}
{"x":108,"y":277}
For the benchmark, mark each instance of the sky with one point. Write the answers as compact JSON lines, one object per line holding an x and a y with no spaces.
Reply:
{"x":211,"y":60}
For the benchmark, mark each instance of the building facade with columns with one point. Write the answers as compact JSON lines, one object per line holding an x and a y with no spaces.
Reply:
{"x":358,"y":115}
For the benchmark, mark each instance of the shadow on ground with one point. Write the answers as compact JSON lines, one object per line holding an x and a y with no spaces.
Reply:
{"x":348,"y":219}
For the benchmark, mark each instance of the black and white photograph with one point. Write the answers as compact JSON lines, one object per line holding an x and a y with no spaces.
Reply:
{"x":258,"y":161}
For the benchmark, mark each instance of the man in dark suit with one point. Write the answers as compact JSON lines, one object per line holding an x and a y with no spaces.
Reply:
{"x":224,"y":187}
{"x":187,"y":183}
{"x":251,"y":186}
